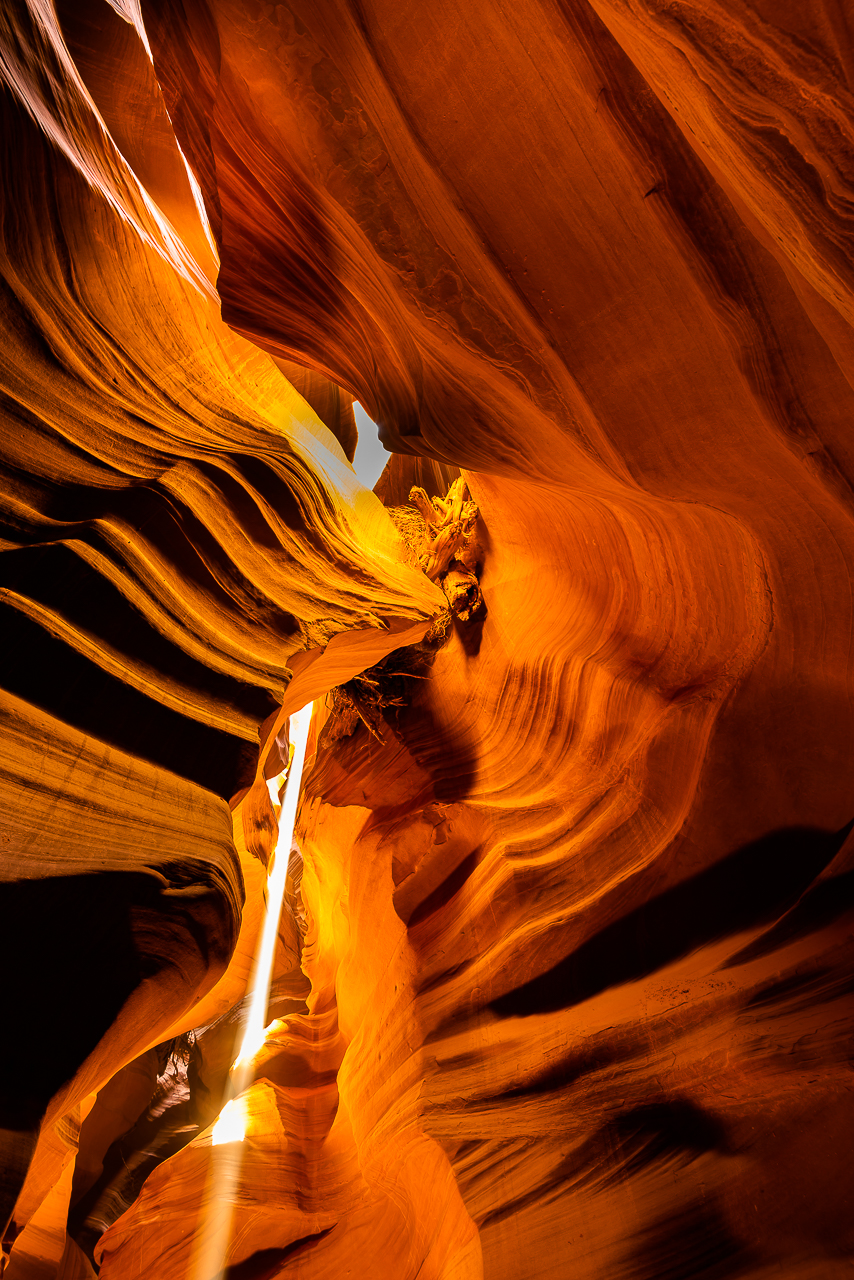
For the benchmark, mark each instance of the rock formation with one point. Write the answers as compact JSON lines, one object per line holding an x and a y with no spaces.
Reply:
{"x":564,"y":971}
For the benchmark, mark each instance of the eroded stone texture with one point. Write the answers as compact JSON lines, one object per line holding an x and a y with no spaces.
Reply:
{"x":171,"y":505}
{"x":574,"y":911}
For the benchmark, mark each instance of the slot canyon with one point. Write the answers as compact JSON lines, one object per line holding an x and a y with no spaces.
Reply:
{"x":525,"y":757}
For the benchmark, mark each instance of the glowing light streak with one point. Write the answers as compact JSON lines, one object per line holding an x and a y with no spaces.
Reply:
{"x":231,"y":1125}
{"x":131,"y":11}
{"x":230,"y":1129}
{"x":253,"y":1037}
{"x":199,"y":201}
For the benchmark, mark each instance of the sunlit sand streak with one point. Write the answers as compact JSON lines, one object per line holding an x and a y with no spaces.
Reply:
{"x":230,"y":1129}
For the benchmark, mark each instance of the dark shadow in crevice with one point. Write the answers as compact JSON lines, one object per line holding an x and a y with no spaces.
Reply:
{"x":471,"y":633}
{"x":657,"y":1129}
{"x":68,"y":951}
{"x":674,"y":1130}
{"x":749,"y":887}
{"x":68,"y":588}
{"x":267,"y":1263}
{"x":53,"y":676}
{"x":127,"y":1164}
{"x":694,"y":1242}
{"x":620,"y":1047}
{"x":820,"y":906}
{"x":442,"y":894}
{"x":74,"y":948}
{"x":801,"y":993}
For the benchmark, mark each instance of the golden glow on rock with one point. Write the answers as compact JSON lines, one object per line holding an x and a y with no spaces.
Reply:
{"x":564,"y":970}
{"x":231,"y":1125}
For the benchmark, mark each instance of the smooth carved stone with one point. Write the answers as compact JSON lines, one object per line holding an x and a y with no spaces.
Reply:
{"x":125,"y":940}
{"x":575,"y":909}
{"x":165,"y":537}
{"x":316,"y":1174}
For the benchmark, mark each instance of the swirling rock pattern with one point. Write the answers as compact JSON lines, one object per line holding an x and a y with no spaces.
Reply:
{"x":576,"y":910}
{"x":170,"y":508}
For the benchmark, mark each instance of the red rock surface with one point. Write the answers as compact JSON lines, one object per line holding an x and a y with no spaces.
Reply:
{"x":564,"y":977}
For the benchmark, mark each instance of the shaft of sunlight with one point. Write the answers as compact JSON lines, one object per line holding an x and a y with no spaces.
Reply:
{"x":230,"y":1129}
{"x":253,"y":1036}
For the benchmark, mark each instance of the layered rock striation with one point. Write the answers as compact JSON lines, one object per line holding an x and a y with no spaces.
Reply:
{"x":563,"y":983}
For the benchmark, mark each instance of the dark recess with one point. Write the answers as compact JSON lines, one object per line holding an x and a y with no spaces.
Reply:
{"x":51,"y":675}
{"x":755,"y":884}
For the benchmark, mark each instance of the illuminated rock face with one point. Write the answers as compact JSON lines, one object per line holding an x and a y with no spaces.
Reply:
{"x":565,"y":986}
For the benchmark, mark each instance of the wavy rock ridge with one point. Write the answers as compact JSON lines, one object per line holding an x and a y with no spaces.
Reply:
{"x":564,"y":976}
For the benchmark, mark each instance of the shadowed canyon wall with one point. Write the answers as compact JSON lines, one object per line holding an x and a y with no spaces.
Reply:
{"x":564,"y":975}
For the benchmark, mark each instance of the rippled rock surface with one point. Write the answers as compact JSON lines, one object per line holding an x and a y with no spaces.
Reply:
{"x":564,"y":976}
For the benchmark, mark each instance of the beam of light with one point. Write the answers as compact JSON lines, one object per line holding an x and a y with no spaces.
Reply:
{"x":211,"y":1243}
{"x":253,"y":1037}
{"x":231,"y":1125}
{"x":230,"y":1129}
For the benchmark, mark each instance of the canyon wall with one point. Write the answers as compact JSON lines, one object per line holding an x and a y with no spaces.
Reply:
{"x":564,"y":978}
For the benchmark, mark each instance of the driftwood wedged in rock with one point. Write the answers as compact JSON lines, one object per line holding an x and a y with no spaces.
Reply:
{"x":445,"y":545}
{"x":448,"y":525}
{"x":441,"y":539}
{"x":462,"y":588}
{"x":384,"y":687}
